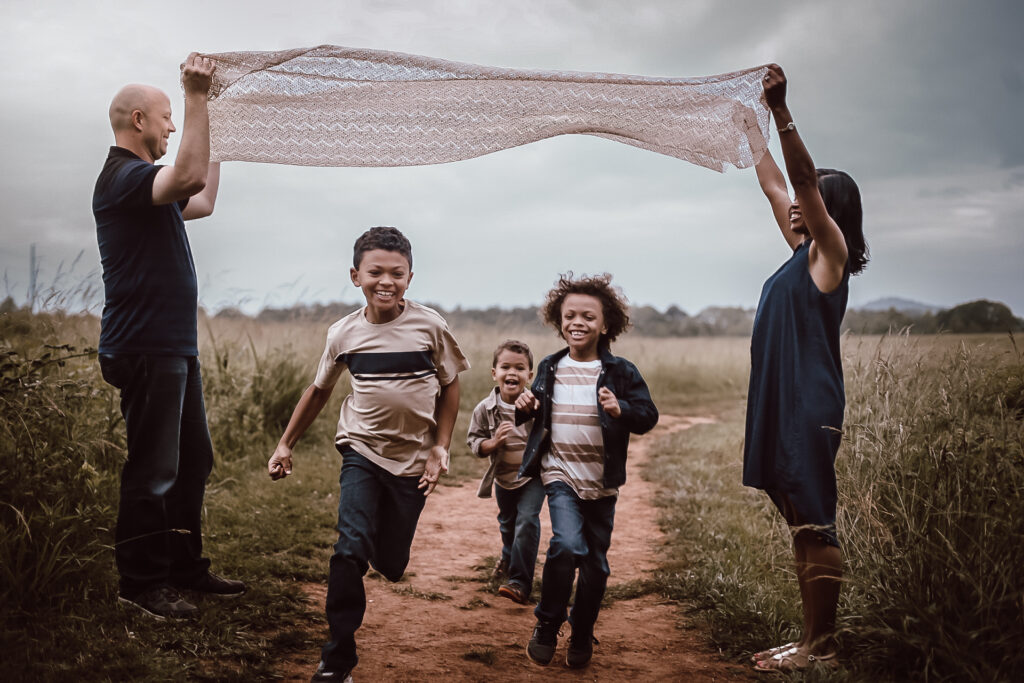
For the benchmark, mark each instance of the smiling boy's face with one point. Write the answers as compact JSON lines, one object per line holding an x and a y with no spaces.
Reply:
{"x":582,"y":325}
{"x":383,"y":275}
{"x":512,"y":373}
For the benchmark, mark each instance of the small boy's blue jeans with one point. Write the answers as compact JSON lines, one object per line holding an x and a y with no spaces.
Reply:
{"x":581,"y":532}
{"x":519,"y":523}
{"x":377,"y":516}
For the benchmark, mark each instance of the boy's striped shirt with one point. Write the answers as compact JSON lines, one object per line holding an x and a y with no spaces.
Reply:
{"x":397,"y":370}
{"x":506,"y":474}
{"x":576,"y":456}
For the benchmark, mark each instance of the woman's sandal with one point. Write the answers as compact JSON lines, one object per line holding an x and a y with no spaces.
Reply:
{"x":767,"y":654}
{"x":792,"y":660}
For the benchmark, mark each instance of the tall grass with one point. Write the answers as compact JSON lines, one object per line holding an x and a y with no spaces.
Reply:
{"x":930,"y":478}
{"x":933,"y":500}
{"x":931,"y":518}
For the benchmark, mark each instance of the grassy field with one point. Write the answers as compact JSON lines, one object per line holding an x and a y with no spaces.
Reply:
{"x":930,"y":478}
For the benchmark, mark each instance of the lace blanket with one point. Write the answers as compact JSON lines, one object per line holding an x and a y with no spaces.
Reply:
{"x":338,"y":106}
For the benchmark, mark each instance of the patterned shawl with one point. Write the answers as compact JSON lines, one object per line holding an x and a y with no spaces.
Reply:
{"x":338,"y":106}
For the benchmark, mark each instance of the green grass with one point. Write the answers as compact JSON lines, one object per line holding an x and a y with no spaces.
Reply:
{"x":931,"y":517}
{"x":930,"y":479}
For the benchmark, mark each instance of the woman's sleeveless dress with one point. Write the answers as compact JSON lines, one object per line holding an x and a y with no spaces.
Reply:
{"x":796,"y":399}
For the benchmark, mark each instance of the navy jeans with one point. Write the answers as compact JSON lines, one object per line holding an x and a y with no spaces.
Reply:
{"x":519,"y":523}
{"x":377,"y":516}
{"x":581,"y":534}
{"x":159,"y":537}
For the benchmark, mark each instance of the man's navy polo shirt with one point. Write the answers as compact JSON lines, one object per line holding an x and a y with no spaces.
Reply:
{"x":149,"y":279}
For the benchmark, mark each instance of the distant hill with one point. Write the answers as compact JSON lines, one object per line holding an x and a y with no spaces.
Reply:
{"x":895,"y":303}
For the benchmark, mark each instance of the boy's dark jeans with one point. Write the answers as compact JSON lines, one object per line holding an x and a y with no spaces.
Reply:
{"x":581,"y":534}
{"x":377,"y":516}
{"x":519,"y":523}
{"x":164,"y":479}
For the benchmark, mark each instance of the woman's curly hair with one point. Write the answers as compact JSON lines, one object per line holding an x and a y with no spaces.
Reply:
{"x":613,"y":303}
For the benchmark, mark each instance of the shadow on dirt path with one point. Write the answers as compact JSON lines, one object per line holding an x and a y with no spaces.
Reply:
{"x":440,"y":621}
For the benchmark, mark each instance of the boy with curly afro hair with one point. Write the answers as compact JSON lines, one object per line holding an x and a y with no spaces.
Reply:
{"x":585,"y":403}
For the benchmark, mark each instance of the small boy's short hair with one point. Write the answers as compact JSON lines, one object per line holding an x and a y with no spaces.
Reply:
{"x":381,"y":237}
{"x":613,"y":303}
{"x":515,"y":346}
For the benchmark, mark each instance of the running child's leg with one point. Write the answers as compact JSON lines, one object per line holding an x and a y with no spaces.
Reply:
{"x":398,"y":512}
{"x":507,"y":507}
{"x":346,"y":598}
{"x":599,"y":518}
{"x":568,"y":546}
{"x":527,"y":534}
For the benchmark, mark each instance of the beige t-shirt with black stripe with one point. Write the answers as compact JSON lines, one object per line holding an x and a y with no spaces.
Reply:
{"x":397,"y":369}
{"x":576,"y":456}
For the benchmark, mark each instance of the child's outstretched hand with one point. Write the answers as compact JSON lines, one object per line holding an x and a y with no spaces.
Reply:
{"x":609,"y":402}
{"x":280,"y":464}
{"x":527,"y":402}
{"x":437,"y":463}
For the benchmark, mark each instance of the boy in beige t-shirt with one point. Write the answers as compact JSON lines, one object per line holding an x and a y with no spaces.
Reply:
{"x":394,"y":430}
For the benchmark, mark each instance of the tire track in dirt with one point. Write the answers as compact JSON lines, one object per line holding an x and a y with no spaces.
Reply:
{"x":473,"y":635}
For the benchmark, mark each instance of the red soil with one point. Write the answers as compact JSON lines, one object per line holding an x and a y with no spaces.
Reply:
{"x":478,"y":636}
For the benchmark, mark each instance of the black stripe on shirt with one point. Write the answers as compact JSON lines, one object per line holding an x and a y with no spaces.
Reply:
{"x":394,"y":363}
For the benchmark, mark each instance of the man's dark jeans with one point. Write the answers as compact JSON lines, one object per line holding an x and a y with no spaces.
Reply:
{"x":581,"y":534}
{"x":170,"y":455}
{"x":519,"y":524}
{"x":377,"y":516}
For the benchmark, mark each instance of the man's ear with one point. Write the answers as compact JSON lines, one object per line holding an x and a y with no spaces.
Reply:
{"x":137,"y":116}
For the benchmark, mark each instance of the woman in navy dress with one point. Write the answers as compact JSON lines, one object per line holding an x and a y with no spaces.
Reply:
{"x":796,"y":399}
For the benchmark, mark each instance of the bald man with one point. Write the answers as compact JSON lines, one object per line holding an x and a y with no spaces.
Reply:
{"x":148,"y":347}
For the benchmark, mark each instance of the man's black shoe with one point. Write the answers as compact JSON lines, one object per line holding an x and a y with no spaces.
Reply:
{"x":213,"y":584}
{"x":581,"y":649}
{"x":541,"y":648}
{"x":337,"y":675}
{"x":162,"y":602}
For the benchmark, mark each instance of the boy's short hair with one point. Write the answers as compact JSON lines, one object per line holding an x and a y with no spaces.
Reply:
{"x":515,"y":346}
{"x":613,"y":303}
{"x":381,"y":237}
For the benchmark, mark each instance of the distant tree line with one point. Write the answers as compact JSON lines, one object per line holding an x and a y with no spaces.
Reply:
{"x":716,"y":321}
{"x":969,"y":318}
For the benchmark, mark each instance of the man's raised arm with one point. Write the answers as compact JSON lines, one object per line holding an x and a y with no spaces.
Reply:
{"x":188,"y":176}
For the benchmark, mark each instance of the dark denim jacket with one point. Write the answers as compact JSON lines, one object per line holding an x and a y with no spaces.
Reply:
{"x":639,"y":414}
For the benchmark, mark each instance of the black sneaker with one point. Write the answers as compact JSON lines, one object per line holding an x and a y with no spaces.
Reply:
{"x":214,"y":585}
{"x":335,"y":675}
{"x":162,"y":602}
{"x":581,"y":649}
{"x":541,"y":648}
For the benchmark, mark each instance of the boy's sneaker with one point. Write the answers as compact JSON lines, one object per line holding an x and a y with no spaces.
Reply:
{"x":541,"y":648}
{"x":162,"y":602}
{"x":581,"y":649}
{"x":335,"y":675}
{"x":514,"y":592}
{"x":214,"y":585}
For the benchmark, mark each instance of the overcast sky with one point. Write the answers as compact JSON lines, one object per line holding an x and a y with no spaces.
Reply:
{"x":920,"y":101}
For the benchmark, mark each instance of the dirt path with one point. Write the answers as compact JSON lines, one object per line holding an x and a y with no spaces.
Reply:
{"x":412,"y":633}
